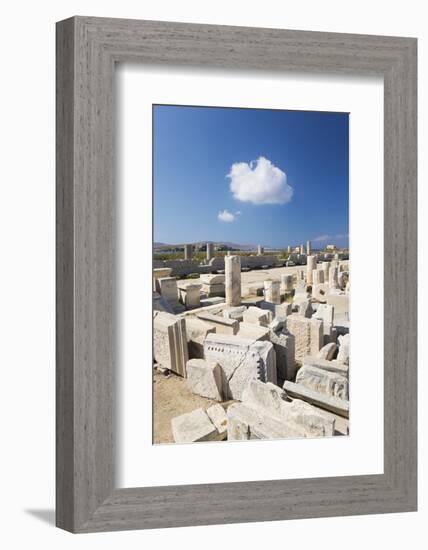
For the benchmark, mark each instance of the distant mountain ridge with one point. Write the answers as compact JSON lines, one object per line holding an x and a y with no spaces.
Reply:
{"x":216,"y":243}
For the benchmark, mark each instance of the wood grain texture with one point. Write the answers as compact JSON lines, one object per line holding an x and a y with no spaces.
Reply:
{"x":87,"y":49}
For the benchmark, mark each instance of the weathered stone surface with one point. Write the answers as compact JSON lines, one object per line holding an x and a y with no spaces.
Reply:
{"x":333,"y":277}
{"x":328,"y":351}
{"x":194,"y":426}
{"x":190,"y":295}
{"x":311,"y":264}
{"x":340,"y":302}
{"x":325,"y":266}
{"x":160,"y":304}
{"x":325,"y":312}
{"x":205,"y":378}
{"x":277,"y":310}
{"x":188,"y":251}
{"x":257,"y":316}
{"x":170,"y":342}
{"x":232,"y":265}
{"x":332,"y":366}
{"x":284,"y":345}
{"x":218,"y":417}
{"x":241,"y":360}
{"x":253,"y":332}
{"x":267,"y":413}
{"x":245,"y":423}
{"x":210,"y":251}
{"x":267,"y":396}
{"x":322,"y":381}
{"x":167,"y":287}
{"x":300,"y":291}
{"x":343,"y":354}
{"x":234,"y":312}
{"x":196,"y":331}
{"x":320,"y":292}
{"x":308,"y":335}
{"x":160,"y":272}
{"x":222,"y":324}
{"x":326,"y":402}
{"x":254,"y":301}
{"x":212,"y":301}
{"x":313,"y":421}
{"x":303,"y":307}
{"x":253,"y":289}
{"x":286,"y":283}
{"x":213,"y":290}
{"x":212,"y":279}
{"x":272,"y":291}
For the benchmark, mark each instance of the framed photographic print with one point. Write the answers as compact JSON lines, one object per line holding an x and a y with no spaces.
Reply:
{"x":236,"y":274}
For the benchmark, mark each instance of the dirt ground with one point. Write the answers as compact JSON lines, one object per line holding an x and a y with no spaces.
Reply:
{"x":172,"y":398}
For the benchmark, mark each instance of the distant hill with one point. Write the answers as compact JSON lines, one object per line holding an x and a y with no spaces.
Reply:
{"x":201,"y":243}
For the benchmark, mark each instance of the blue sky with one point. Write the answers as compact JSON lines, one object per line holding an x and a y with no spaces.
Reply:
{"x":250,"y":176}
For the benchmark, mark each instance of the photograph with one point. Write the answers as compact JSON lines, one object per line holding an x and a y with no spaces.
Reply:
{"x":251,"y":274}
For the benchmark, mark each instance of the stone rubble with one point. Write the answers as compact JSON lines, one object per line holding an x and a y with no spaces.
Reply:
{"x":279,"y":349}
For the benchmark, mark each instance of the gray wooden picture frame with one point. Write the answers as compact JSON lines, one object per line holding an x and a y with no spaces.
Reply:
{"x":87,"y":50}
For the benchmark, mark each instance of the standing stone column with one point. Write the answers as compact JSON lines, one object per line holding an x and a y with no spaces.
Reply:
{"x":325,"y":266}
{"x":302,"y":249}
{"x":315,"y":277}
{"x":333,"y":277}
{"x":188,"y":251}
{"x":311,"y":264}
{"x":210,"y":251}
{"x":232,"y":266}
{"x":308,"y":248}
{"x":288,"y":249}
{"x":272,"y":292}
{"x":260,"y":250}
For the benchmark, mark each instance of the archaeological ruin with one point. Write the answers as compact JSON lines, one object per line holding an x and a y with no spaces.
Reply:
{"x":251,"y":347}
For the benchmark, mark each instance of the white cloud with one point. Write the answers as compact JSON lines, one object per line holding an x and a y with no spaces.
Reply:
{"x":259,"y":182}
{"x":322,"y":238}
{"x":226,"y":216}
{"x":342,"y":236}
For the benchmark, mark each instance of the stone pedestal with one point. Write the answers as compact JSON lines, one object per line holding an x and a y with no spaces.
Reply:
{"x":213,"y":285}
{"x":232,"y":266}
{"x":159,"y":273}
{"x":272,"y":292}
{"x":167,"y":286}
{"x":190,"y":295}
